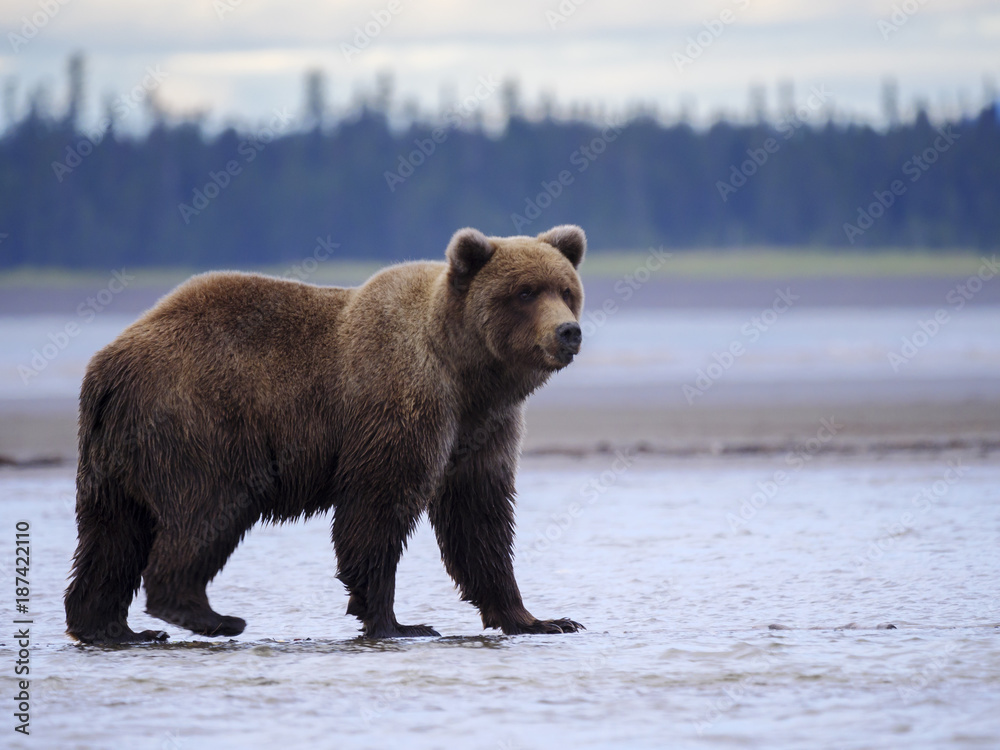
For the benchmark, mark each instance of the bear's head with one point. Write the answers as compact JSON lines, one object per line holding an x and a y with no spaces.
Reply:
{"x":521,"y":296}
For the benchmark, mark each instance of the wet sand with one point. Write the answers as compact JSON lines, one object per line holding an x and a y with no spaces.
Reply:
{"x":876,"y":416}
{"x":44,"y":433}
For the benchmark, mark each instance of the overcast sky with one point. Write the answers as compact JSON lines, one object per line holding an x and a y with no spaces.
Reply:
{"x":239,"y":59}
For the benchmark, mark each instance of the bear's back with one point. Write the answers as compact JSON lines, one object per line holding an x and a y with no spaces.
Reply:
{"x":231,"y":338}
{"x":252,"y":303}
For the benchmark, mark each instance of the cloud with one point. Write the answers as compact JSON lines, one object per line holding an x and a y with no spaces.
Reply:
{"x":610,"y":52}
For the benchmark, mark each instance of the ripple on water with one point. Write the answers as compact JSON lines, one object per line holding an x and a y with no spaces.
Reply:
{"x":698,"y":633}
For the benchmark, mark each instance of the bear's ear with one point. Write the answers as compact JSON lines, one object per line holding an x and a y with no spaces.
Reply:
{"x":467,"y":252}
{"x":568,"y":239}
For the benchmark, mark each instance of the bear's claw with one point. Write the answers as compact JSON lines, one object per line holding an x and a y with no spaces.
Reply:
{"x":152,"y":635}
{"x":400,"y":631}
{"x":562,"y":625}
{"x":115,"y":636}
{"x":227,"y":626}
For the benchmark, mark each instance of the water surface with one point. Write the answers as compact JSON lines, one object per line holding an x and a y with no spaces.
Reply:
{"x":633,"y":347}
{"x":678,"y":589}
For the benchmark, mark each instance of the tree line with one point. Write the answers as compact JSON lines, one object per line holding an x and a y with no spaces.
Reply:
{"x":179,"y":196}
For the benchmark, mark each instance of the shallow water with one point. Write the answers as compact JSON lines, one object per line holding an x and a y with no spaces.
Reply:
{"x":628,"y":349}
{"x":676,"y":584}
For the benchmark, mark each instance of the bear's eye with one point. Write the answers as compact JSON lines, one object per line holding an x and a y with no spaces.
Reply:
{"x":567,"y":296}
{"x":526,"y":294}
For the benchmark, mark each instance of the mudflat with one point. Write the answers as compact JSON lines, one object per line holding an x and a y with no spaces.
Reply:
{"x":874,"y":411}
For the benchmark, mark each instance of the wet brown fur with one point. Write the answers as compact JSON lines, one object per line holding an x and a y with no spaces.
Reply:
{"x":242,"y":398}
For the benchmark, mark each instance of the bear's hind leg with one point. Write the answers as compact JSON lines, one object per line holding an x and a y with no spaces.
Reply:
{"x":182,"y":562}
{"x":115,"y":537}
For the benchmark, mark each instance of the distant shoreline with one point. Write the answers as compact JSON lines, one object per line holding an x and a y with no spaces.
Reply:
{"x":882,"y":417}
{"x":707,"y":263}
{"x":658,"y":291}
{"x":656,"y":277}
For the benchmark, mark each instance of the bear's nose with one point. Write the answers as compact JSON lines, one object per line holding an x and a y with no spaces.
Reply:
{"x":569,"y":336}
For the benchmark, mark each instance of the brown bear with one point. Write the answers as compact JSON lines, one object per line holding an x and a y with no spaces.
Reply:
{"x":241,"y":398}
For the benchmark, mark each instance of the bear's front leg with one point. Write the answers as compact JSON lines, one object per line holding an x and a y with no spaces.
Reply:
{"x":369,"y":536}
{"x":474,"y":522}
